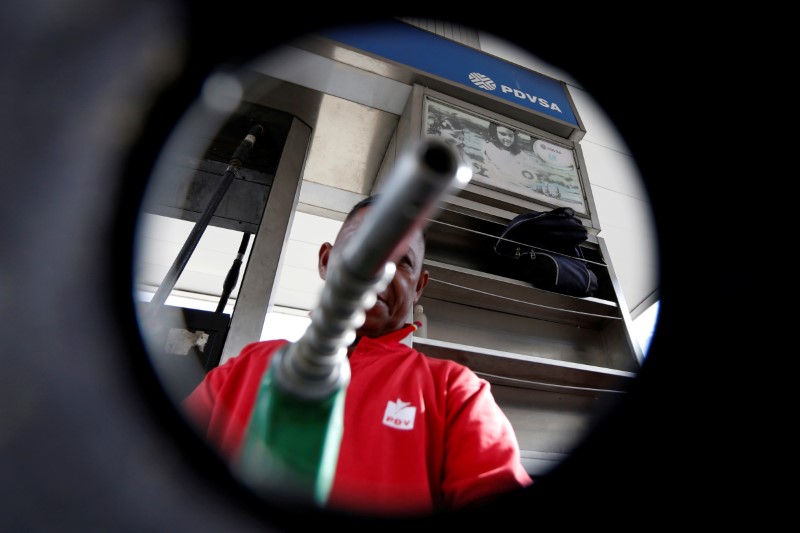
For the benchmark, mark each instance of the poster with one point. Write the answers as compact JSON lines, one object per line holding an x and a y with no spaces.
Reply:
{"x":508,"y":159}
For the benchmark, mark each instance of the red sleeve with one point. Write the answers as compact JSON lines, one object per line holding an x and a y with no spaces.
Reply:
{"x":199,"y":405}
{"x":220,"y":406}
{"x":482,"y":457}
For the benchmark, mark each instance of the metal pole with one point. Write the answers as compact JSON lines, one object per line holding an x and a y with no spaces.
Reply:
{"x":200,"y":226}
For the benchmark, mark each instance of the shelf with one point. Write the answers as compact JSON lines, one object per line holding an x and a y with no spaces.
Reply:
{"x":465,"y":238}
{"x":527,"y":371}
{"x":479,"y":299}
{"x":487,"y":291}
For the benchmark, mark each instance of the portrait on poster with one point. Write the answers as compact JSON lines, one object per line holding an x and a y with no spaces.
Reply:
{"x":508,"y":159}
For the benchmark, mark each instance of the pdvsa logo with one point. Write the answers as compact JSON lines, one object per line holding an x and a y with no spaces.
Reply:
{"x":486,"y":83}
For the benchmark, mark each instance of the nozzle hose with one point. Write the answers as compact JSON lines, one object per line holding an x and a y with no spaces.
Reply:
{"x":316,"y":365}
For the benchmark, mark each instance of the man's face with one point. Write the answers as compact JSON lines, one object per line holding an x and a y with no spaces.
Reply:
{"x":393,"y":307}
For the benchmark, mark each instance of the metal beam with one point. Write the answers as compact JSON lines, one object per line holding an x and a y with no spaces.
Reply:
{"x":259,"y":280}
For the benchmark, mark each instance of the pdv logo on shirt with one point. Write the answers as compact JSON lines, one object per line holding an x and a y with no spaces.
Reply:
{"x":399,"y":415}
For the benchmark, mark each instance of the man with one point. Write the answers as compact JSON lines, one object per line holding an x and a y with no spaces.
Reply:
{"x":420,"y":434}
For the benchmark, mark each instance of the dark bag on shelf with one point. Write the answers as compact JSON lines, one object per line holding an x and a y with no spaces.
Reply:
{"x":546,"y":249}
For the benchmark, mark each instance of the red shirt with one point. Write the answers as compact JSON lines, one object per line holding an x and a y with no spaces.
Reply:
{"x":420,"y":434}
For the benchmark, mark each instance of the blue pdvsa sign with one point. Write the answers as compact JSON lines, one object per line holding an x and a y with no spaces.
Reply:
{"x":430,"y":53}
{"x":488,"y":84}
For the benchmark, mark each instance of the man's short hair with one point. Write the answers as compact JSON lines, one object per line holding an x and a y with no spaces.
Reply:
{"x":368,"y":201}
